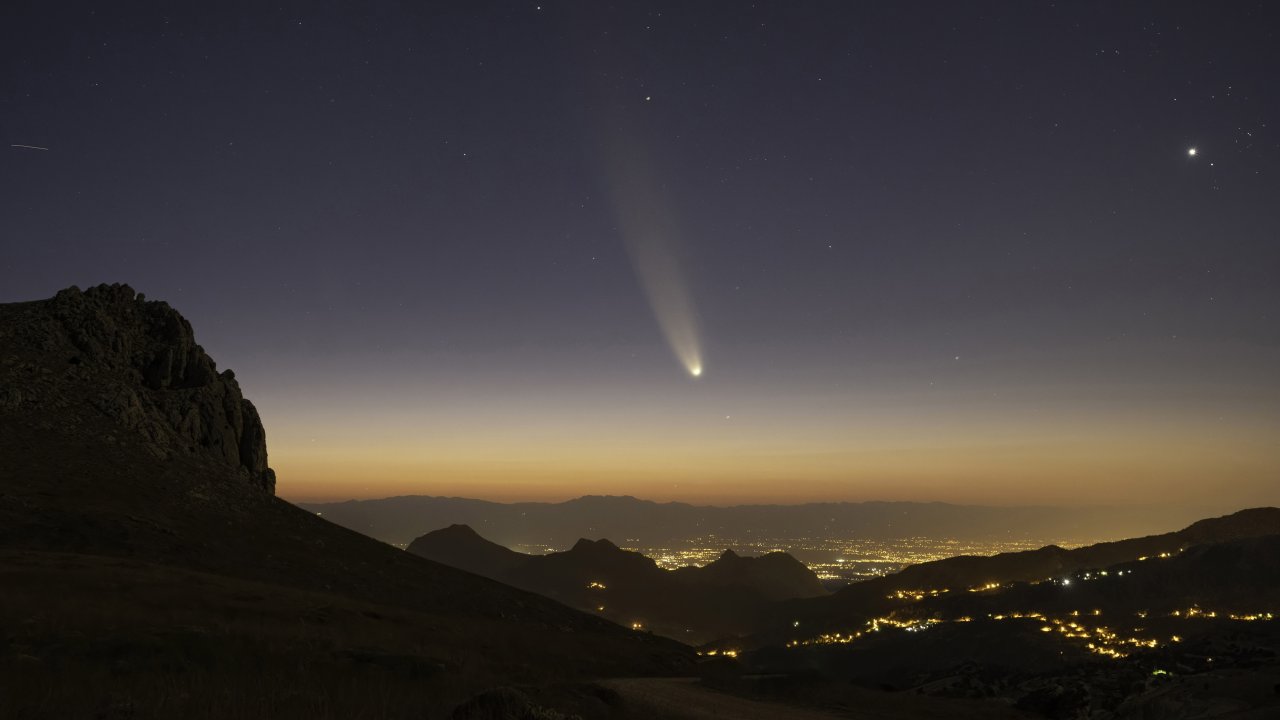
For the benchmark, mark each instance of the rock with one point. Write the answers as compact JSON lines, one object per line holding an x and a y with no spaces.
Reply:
{"x":504,"y":703}
{"x":10,"y":398}
{"x":151,"y":376}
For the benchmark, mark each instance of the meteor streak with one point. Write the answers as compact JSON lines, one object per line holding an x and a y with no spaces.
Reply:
{"x":30,"y":147}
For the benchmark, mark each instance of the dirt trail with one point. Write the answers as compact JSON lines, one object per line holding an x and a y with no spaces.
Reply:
{"x":684,"y":699}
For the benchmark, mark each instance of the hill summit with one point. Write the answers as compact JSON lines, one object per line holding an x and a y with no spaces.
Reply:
{"x":109,"y":351}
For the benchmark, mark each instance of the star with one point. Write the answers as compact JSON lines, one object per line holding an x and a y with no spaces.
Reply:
{"x":1191,"y":152}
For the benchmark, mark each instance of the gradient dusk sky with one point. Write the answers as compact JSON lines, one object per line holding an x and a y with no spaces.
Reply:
{"x":927,"y":251}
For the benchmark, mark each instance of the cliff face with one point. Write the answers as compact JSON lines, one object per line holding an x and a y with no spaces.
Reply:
{"x":137,"y":362}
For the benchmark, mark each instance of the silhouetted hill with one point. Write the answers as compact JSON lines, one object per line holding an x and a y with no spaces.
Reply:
{"x":960,"y":574}
{"x":1231,"y":576}
{"x":776,"y":575}
{"x":399,"y":520}
{"x":1251,"y":522}
{"x":135,"y":473}
{"x":461,"y":547}
{"x":1168,"y":635}
{"x":1049,"y":561}
{"x":693,"y":604}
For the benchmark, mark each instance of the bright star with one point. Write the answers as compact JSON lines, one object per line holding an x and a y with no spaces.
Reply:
{"x":1191,"y":152}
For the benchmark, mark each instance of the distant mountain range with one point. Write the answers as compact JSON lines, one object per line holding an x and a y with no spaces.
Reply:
{"x":692,"y":604}
{"x":630,"y":521}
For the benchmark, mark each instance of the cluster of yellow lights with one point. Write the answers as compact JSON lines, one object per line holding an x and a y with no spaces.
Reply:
{"x":916,"y":594}
{"x":935,"y":592}
{"x":1252,"y":617}
{"x":854,"y":558}
{"x":873,"y":625}
{"x":724,"y":653}
{"x":1195,"y":611}
{"x":1098,"y":639}
{"x":1103,"y":640}
{"x":595,"y":586}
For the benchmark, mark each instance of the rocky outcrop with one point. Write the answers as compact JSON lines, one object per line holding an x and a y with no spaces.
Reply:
{"x":143,"y":368}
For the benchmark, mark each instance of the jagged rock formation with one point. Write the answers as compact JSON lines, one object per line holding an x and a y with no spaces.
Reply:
{"x":137,"y":362}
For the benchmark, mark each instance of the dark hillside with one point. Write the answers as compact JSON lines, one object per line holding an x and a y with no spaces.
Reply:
{"x":135,"y":475}
{"x":964,"y":573}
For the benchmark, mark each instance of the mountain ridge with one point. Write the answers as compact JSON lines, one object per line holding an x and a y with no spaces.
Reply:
{"x":689,"y":603}
{"x":961,"y":574}
{"x":400,"y":519}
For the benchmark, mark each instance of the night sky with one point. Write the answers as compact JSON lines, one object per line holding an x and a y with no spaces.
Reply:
{"x":928,"y":251}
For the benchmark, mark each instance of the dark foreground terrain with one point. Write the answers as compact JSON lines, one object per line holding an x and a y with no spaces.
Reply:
{"x":1182,"y":625}
{"x":148,"y":570}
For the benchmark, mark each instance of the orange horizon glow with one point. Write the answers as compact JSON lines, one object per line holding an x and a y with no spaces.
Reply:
{"x":1182,"y":467}
{"x":730,"y":438}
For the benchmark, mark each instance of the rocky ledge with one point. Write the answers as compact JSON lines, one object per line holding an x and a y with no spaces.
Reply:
{"x":142,"y":368}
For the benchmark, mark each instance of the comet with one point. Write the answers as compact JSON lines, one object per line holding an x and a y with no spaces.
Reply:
{"x":651,"y":231}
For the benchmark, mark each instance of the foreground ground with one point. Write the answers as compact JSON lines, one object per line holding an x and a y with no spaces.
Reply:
{"x":139,"y":640}
{"x":688,"y":699}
